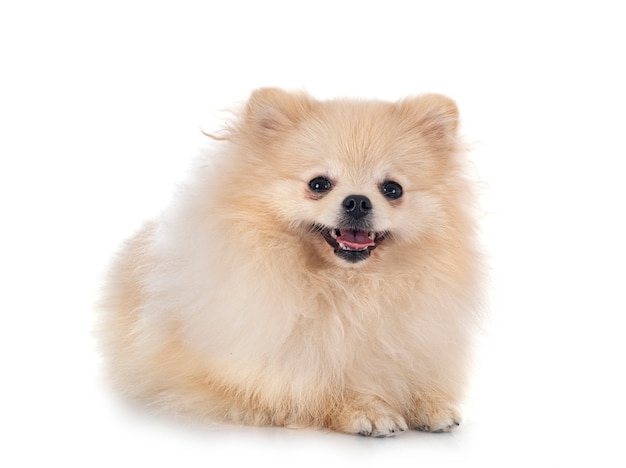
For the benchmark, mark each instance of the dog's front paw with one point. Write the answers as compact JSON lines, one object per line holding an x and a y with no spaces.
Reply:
{"x":376,"y":424}
{"x":369,"y":417}
{"x":432,"y":417}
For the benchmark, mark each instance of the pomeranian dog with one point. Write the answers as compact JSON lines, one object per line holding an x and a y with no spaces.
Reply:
{"x":320,"y":269}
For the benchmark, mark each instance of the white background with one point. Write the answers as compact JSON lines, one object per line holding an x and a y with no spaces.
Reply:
{"x":100,"y":109}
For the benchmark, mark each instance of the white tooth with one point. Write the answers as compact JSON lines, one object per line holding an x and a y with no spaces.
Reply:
{"x":343,"y":246}
{"x":372,"y":235}
{"x":333,"y":233}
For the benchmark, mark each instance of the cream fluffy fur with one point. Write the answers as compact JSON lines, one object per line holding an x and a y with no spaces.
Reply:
{"x":232,"y":305}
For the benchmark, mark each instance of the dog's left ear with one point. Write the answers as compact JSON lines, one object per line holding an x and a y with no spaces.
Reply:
{"x":434,"y":115}
{"x":270,"y":111}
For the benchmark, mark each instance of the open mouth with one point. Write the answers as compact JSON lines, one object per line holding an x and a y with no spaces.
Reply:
{"x":352,"y":245}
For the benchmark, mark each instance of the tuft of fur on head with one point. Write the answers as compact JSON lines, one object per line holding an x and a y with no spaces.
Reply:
{"x":322,"y":271}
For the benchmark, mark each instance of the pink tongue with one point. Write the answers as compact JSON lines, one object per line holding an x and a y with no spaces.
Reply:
{"x":355,"y":239}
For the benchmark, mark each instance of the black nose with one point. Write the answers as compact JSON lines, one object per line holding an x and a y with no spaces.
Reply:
{"x":357,"y":206}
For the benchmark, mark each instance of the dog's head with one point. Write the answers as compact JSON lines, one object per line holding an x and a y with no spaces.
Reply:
{"x":353,"y":179}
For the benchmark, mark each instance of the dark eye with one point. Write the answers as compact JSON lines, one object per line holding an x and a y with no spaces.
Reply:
{"x":391,"y":190}
{"x":320,"y":185}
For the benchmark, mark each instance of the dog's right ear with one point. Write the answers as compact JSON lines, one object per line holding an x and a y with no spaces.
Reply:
{"x":270,"y":111}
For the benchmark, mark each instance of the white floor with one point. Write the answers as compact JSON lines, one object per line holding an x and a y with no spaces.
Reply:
{"x":99,"y":113}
